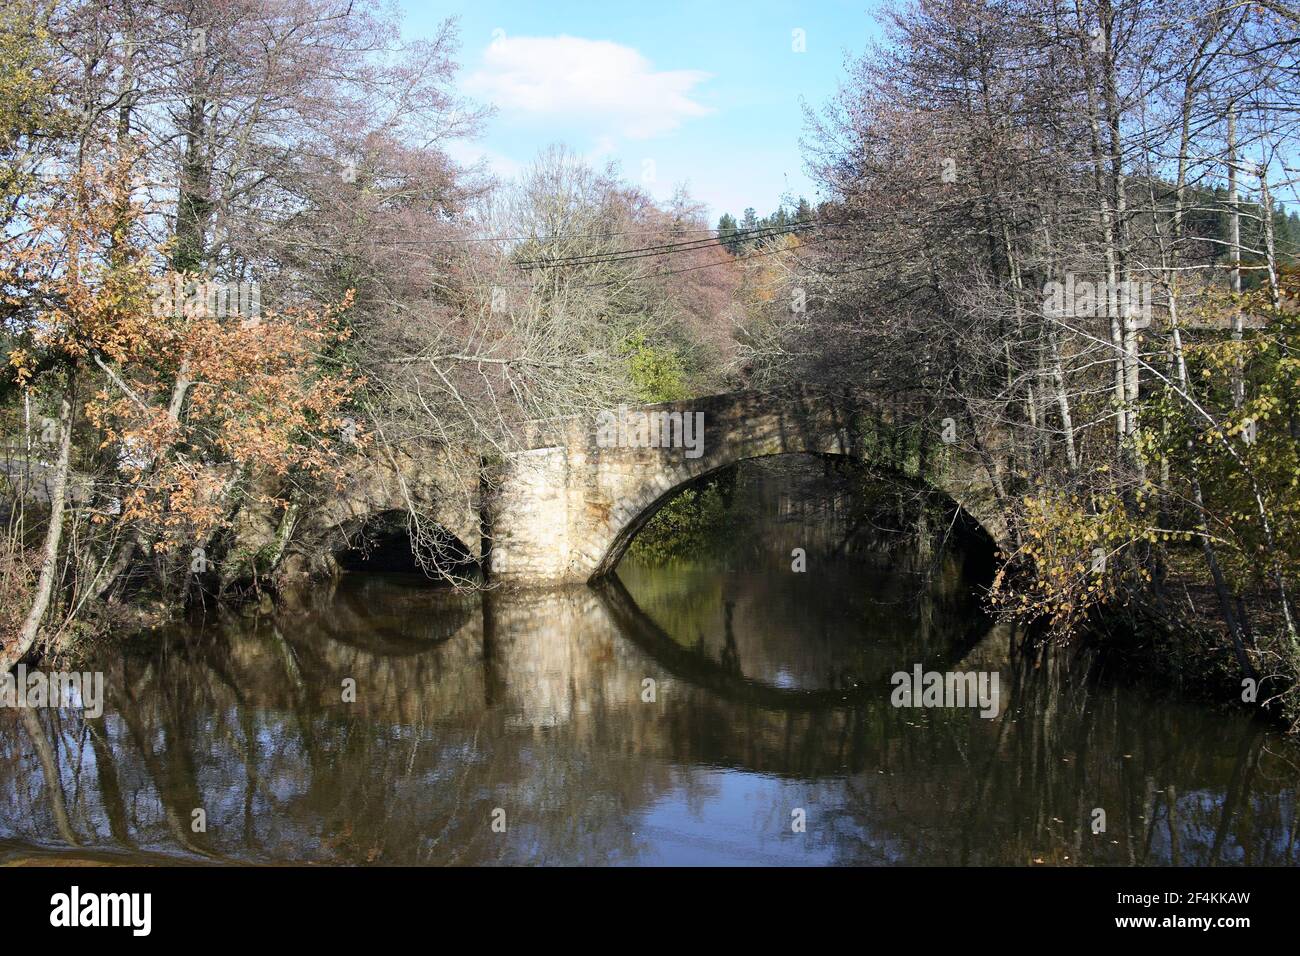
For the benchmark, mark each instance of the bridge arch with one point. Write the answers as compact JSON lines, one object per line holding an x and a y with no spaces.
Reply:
{"x":376,"y":497}
{"x":567,"y":509}
{"x":650,"y":503}
{"x":388,"y":541}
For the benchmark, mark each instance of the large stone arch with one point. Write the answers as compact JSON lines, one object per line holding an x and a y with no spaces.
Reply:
{"x":567,"y":509}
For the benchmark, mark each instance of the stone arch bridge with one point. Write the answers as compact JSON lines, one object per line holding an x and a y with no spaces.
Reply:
{"x":571,"y":500}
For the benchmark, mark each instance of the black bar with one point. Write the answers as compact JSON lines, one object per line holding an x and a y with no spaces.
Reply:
{"x":932,"y":906}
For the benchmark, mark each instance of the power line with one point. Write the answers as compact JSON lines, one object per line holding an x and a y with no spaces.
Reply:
{"x":676,"y":272}
{"x":570,"y":235}
{"x":620,"y":255}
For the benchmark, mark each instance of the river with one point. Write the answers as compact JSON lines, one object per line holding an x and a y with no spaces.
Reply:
{"x":719,"y":708}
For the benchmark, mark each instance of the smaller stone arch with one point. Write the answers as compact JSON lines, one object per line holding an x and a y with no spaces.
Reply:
{"x":378,"y":491}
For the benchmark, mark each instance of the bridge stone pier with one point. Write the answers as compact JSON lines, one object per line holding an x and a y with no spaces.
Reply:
{"x":568,"y":505}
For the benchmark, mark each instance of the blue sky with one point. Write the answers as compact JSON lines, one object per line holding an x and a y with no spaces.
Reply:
{"x":706,"y":93}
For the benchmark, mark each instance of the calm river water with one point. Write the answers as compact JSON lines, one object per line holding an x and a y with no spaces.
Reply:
{"x":721,"y":710}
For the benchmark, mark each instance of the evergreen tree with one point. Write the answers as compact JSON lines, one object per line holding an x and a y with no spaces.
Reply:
{"x":727,"y":232}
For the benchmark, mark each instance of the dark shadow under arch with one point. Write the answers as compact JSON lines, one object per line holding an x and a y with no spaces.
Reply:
{"x":969,"y":526}
{"x":381,"y":543}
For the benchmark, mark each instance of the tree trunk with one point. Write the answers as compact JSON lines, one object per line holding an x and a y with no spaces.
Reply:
{"x":49,"y":550}
{"x":1234,"y":253}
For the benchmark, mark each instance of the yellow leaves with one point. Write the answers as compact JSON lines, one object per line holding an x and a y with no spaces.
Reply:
{"x":1070,"y":549}
{"x":22,"y":363}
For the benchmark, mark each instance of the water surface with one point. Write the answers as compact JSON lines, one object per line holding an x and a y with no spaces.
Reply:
{"x":690,"y":712}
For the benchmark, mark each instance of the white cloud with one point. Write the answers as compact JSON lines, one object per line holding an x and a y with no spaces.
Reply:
{"x":596,"y":81}
{"x":469,"y":154}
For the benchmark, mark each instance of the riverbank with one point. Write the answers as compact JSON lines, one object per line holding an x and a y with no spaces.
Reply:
{"x":1182,"y":648}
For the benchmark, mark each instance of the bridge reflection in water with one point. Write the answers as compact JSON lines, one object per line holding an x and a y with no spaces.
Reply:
{"x":532,"y":702}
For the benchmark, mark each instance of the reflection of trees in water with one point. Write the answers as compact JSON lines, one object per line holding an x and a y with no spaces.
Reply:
{"x":248,"y":724}
{"x":1178,"y":785}
{"x":532,"y":703}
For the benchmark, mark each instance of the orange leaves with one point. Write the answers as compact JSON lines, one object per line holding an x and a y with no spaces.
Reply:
{"x":194,"y":401}
{"x":88,"y":286}
{"x":251,"y":399}
{"x":22,"y":363}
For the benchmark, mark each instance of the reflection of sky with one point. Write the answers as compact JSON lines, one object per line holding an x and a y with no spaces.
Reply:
{"x":743,"y":819}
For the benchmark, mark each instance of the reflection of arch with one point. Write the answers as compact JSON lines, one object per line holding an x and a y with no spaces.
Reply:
{"x":717,"y":678}
{"x":350,"y":615}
